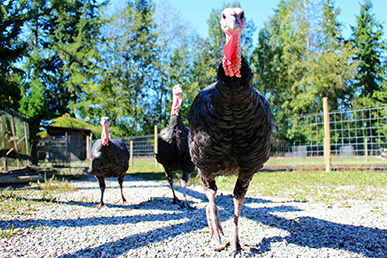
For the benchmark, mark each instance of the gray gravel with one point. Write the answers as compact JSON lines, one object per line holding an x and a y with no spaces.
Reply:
{"x":149,"y":225}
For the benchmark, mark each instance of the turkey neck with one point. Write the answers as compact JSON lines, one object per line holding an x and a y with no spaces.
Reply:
{"x":232,"y":55}
{"x":176,"y":103}
{"x":105,"y":135}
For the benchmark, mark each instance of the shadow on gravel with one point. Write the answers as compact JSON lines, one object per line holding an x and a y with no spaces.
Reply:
{"x":91,"y":221}
{"x":122,"y":246}
{"x":304,"y":231}
{"x":317,"y":233}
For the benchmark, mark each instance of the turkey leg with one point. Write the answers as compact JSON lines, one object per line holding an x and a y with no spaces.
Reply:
{"x":102,"y":186}
{"x":240,"y":190}
{"x":183,"y":182}
{"x":121,"y":181}
{"x":212,"y":213}
{"x":170,"y":181}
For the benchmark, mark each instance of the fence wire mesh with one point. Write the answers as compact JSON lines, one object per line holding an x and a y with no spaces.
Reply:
{"x":357,"y":137}
{"x":143,"y":146}
{"x":15,"y":149}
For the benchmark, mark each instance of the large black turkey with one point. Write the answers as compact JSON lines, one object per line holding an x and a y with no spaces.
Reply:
{"x":109,"y":158}
{"x":172,"y":148}
{"x":230,"y":127}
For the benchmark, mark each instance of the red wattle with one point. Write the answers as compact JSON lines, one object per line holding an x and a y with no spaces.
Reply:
{"x":105,"y":135}
{"x":176,"y":103}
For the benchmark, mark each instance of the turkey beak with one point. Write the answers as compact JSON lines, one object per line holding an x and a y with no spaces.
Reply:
{"x":231,"y":23}
{"x":177,"y":89}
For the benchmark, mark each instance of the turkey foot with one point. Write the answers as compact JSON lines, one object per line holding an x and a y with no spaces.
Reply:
{"x":213,"y":221}
{"x":99,"y":205}
{"x":123,"y":201}
{"x":176,"y":200}
{"x":185,"y":205}
{"x":235,"y":246}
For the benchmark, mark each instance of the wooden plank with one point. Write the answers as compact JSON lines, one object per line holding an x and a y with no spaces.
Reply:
{"x":10,"y":179}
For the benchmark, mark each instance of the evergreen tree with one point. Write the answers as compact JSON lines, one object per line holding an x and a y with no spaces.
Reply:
{"x":301,"y":57}
{"x":124,"y":89}
{"x":175,"y":40}
{"x":367,"y":38}
{"x":73,"y":41}
{"x":370,"y":81}
{"x":13,"y":16}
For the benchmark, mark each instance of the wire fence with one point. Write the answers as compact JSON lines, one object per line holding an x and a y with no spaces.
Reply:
{"x":355,"y":140}
{"x":15,"y":147}
{"x":357,"y":137}
{"x":142,"y":146}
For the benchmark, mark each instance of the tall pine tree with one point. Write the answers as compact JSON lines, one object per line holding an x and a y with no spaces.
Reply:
{"x":13,"y":16}
{"x":367,"y":38}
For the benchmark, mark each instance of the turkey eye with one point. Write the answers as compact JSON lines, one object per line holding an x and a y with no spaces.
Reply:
{"x":242,"y":15}
{"x":223,"y":16}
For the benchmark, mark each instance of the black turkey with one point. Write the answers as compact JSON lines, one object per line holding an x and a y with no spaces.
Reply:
{"x":109,"y":158}
{"x":230,"y":127}
{"x":172,"y":148}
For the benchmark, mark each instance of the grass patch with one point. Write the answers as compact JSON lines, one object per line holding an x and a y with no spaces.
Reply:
{"x":320,"y":161}
{"x":53,"y":186}
{"x":9,"y":231}
{"x":320,"y":185}
{"x":147,"y":170}
{"x":13,"y":203}
{"x":145,"y":165}
{"x":23,"y":201}
{"x":300,"y":185}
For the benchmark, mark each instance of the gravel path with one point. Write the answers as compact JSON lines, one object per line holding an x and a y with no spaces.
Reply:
{"x":150,"y":226}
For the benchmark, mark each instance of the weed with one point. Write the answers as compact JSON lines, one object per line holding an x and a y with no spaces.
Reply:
{"x":9,"y":231}
{"x":52,"y":186}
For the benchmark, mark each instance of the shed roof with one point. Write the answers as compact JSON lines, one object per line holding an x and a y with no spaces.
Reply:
{"x":68,"y":129}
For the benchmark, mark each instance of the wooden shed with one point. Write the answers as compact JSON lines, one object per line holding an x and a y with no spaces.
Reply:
{"x":65,"y":144}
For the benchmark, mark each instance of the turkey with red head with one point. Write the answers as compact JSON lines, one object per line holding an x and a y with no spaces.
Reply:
{"x":109,"y":158}
{"x":172,"y":148}
{"x":230,"y":127}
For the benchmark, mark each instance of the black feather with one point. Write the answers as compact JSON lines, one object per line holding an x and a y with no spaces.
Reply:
{"x":109,"y":161}
{"x":230,"y":127}
{"x":172,"y":151}
{"x":173,"y":154}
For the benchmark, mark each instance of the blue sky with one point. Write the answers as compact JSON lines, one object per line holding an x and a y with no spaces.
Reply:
{"x":197,"y":12}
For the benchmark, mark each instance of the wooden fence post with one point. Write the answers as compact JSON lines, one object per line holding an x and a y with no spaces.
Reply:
{"x":155,"y":145}
{"x":27,"y":143}
{"x":327,"y":136}
{"x":131,"y":153}
{"x":14,"y":138}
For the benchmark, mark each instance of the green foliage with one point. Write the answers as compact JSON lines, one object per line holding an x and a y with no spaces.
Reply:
{"x":367,"y":38}
{"x":90,"y":62}
{"x":13,"y":204}
{"x":127,"y":71}
{"x":13,"y":16}
{"x":301,"y":58}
